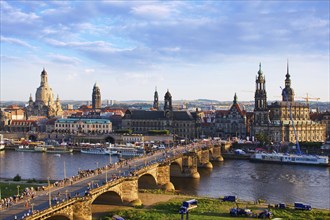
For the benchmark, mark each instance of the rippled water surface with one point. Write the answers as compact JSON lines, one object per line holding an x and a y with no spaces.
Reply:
{"x":249,"y":181}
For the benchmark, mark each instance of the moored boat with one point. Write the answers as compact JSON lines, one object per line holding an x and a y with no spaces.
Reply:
{"x":305,"y":159}
{"x":2,"y":143}
{"x":24,"y":148}
{"x":40,"y":148}
{"x":128,"y":151}
{"x":58,"y":150}
{"x":95,"y":151}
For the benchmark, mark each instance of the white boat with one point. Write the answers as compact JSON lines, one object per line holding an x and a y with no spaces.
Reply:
{"x":306,"y":159}
{"x":128,"y":151}
{"x":24,"y":148}
{"x":57,"y":150}
{"x":2,"y":143}
{"x":40,"y":148}
{"x":95,"y":151}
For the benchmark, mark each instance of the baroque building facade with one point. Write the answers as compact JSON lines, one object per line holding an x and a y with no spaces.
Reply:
{"x":232,"y":122}
{"x":86,"y":126}
{"x":44,"y":104}
{"x":277,"y":120}
{"x":182,"y":124}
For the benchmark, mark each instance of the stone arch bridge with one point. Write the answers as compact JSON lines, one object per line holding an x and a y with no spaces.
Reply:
{"x":125,"y":190}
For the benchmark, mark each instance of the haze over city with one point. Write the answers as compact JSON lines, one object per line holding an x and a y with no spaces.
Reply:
{"x":196,"y":49}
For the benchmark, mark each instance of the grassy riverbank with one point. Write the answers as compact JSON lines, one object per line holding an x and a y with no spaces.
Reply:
{"x":208,"y":209}
{"x":9,"y":188}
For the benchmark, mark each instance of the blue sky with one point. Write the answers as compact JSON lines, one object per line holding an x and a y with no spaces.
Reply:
{"x":196,"y":49}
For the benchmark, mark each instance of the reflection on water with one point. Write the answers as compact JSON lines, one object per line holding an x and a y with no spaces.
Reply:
{"x":249,"y":181}
{"x":42,"y":165}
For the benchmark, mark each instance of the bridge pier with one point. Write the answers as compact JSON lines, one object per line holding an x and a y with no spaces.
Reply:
{"x":216,"y":155}
{"x":163,"y":177}
{"x":204,"y":159}
{"x":189,"y":166}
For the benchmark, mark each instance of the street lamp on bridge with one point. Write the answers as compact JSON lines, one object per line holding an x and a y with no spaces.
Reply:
{"x":49,"y":196}
{"x":18,"y":190}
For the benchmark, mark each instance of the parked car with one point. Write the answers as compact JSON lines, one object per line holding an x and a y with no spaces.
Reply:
{"x":234,"y":212}
{"x":265,"y":214}
{"x":229,"y":199}
{"x":280,"y":205}
{"x":302,"y":206}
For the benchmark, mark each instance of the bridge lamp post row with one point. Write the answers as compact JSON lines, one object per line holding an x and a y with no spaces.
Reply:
{"x":49,"y":196}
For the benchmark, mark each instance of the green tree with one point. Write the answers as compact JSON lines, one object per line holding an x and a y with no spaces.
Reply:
{"x":17,"y":178}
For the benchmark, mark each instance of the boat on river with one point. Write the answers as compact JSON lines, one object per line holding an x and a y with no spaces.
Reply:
{"x":125,"y":151}
{"x":2,"y":143}
{"x":283,"y":158}
{"x":24,"y":148}
{"x":98,"y":151}
{"x":58,"y":150}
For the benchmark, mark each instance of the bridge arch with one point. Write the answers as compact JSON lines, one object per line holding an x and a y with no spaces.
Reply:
{"x":58,"y":217}
{"x":175,"y":168}
{"x":108,"y":198}
{"x":147,"y":181}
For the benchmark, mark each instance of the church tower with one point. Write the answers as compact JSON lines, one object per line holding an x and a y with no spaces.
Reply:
{"x":261,"y":113}
{"x":96,"y":97}
{"x":168,"y":101}
{"x":156,"y":102}
{"x":287,"y":92}
{"x":260,"y":96}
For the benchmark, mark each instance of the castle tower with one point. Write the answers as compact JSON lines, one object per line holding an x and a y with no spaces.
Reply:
{"x":261,"y":113}
{"x":287,"y":92}
{"x":260,"y":95}
{"x":168,"y":101}
{"x":156,"y":102}
{"x":96,"y":97}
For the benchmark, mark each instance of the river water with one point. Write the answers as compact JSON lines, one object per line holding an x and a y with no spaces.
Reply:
{"x":249,"y":181}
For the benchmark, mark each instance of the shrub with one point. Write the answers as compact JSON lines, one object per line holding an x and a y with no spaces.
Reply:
{"x":17,"y":178}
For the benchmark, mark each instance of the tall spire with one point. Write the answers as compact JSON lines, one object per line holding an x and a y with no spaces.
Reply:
{"x":235,"y":99}
{"x":156,"y":103}
{"x":287,"y":69}
{"x":260,"y":71}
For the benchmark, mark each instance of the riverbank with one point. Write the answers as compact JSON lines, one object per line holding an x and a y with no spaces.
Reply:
{"x":166,"y":207}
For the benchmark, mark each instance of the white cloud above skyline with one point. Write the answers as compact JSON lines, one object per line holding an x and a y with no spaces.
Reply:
{"x":196,"y":49}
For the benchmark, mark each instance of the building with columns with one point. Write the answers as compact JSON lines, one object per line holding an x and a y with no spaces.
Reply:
{"x":274,"y":120}
{"x":44,"y":104}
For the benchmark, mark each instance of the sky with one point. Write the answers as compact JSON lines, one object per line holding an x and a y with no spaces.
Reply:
{"x":194,"y":49}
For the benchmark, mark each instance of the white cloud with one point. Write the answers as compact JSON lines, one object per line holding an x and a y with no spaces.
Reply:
{"x":89,"y":71}
{"x":152,"y":11}
{"x":57,"y":58}
{"x":15,"y":41}
{"x":72,"y":76}
{"x":14,"y":15}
